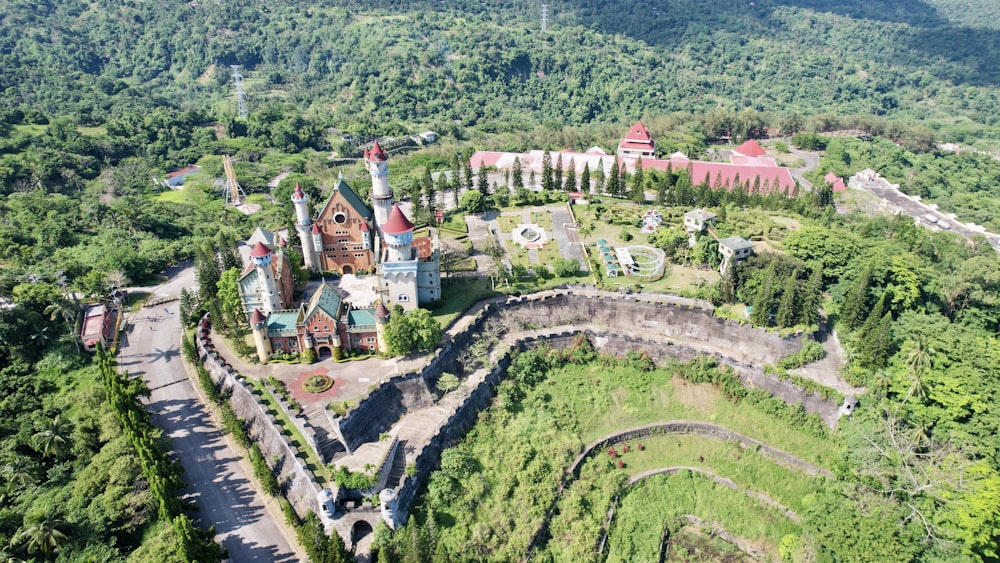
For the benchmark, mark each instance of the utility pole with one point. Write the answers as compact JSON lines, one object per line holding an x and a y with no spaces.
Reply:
{"x":545,"y":18}
{"x":241,"y":96}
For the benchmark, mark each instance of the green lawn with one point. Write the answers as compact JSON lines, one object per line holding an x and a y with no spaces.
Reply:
{"x":457,"y":295}
{"x":643,"y":512}
{"x":518,"y":450}
{"x":173,"y":196}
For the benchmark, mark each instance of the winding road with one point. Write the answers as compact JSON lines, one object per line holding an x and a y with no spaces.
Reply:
{"x":218,"y":478}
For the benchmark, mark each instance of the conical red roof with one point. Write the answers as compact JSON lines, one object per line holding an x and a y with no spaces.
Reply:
{"x":257,"y":317}
{"x":260,"y":250}
{"x":377,"y":152}
{"x":315,"y":229}
{"x":638,"y":133}
{"x":751,"y":148}
{"x":397,"y":223}
{"x":381,"y":312}
{"x":364,"y":227}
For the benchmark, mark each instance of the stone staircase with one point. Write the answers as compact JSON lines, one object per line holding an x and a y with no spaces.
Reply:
{"x":329,"y":447}
{"x":826,"y":372}
{"x":398,"y":467}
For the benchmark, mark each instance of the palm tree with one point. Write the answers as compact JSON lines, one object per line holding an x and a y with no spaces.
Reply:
{"x":51,"y":440}
{"x":918,"y":362}
{"x":18,"y":471}
{"x":43,"y":532}
{"x":881,"y":381}
{"x":68,"y":311}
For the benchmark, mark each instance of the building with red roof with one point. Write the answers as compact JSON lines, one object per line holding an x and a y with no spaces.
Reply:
{"x":750,"y":147}
{"x":637,"y":143}
{"x":100,"y":326}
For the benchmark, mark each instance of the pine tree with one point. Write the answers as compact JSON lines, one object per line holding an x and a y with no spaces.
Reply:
{"x":856,"y":302}
{"x":547,"y":171}
{"x":661,"y":190}
{"x":762,"y":301}
{"x":613,"y":180}
{"x":557,"y":174}
{"x":415,"y":192}
{"x":729,"y":283}
{"x":483,"y":182}
{"x":570,"y":183}
{"x":788,"y":309}
{"x":467,"y":176}
{"x":518,"y":174}
{"x":638,"y":183}
{"x":876,"y":347}
{"x":875,"y":316}
{"x":427,"y":186}
{"x":585,"y":178}
{"x":532,"y":181}
{"x":809,"y":306}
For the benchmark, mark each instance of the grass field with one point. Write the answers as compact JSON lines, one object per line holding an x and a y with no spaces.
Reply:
{"x":517,"y":452}
{"x":457,"y":295}
{"x":643,"y":512}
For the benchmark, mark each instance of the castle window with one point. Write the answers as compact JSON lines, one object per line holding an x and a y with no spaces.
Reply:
{"x":370,"y":340}
{"x":402,"y":298}
{"x":339,"y":218}
{"x":292,"y":344}
{"x":326,"y":328}
{"x":277,"y":344}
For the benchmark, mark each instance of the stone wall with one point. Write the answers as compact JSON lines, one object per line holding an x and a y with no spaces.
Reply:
{"x":689,"y":322}
{"x":299,"y":483}
{"x":382,"y":408}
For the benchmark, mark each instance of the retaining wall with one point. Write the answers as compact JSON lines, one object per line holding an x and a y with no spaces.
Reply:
{"x":298,"y":482}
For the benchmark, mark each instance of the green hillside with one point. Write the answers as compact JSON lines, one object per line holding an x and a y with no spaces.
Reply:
{"x":477,"y":63}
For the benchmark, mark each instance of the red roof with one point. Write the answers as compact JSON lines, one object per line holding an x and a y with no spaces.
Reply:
{"x":839,"y":186}
{"x":364,"y":227}
{"x":751,"y":148}
{"x":298,"y":193}
{"x":367,"y":153}
{"x":831,"y":178}
{"x":638,"y":133}
{"x":484,"y":158}
{"x":316,"y":230}
{"x":377,"y":153}
{"x":182,"y":171}
{"x":381,"y":312}
{"x":397,"y":223}
{"x":636,"y":146}
{"x":260,"y":250}
{"x":257,"y":318}
{"x":778,"y":177}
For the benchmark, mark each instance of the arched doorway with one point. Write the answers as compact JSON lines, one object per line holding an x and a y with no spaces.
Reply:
{"x":348,"y":270}
{"x":360,"y":530}
{"x":324,"y":352}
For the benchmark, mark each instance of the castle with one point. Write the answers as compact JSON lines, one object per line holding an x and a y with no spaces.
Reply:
{"x":351,"y":239}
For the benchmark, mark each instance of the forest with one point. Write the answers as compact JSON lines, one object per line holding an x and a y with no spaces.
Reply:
{"x":98,"y":98}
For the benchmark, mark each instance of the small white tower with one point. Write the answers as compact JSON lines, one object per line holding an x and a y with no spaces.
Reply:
{"x":261,"y":256}
{"x":259,"y":325}
{"x":398,"y":234}
{"x":378,"y":167}
{"x":317,"y":239}
{"x":387,"y":498}
{"x":302,"y":224}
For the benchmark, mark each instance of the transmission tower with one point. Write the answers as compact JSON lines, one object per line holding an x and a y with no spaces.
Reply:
{"x":545,"y":17}
{"x":241,"y":96}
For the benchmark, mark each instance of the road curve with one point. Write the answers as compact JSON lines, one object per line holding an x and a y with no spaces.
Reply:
{"x":218,"y":483}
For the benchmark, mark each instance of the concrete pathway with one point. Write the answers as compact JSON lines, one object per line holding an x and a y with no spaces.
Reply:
{"x":250,"y":528}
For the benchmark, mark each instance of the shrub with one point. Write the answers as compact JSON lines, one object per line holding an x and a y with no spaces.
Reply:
{"x":308,"y":356}
{"x":317,"y":383}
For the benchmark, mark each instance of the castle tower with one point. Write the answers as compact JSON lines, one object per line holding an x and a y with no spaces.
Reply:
{"x":381,"y":318}
{"x":259,"y":324}
{"x":262,"y":259}
{"x":317,"y":239}
{"x":387,"y":500}
{"x":302,"y":224}
{"x":398,"y":234}
{"x":378,"y":167}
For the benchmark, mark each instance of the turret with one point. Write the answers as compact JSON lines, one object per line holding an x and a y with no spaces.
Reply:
{"x":258,"y":322}
{"x":387,"y":498}
{"x":261,"y":256}
{"x":317,"y":238}
{"x":381,"y":319}
{"x":310,"y":252}
{"x":398,"y":233}
{"x":366,"y":236}
{"x":376,"y":161}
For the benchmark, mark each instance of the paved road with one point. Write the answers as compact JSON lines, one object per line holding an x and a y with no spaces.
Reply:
{"x":219,"y":485}
{"x":812,"y":161}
